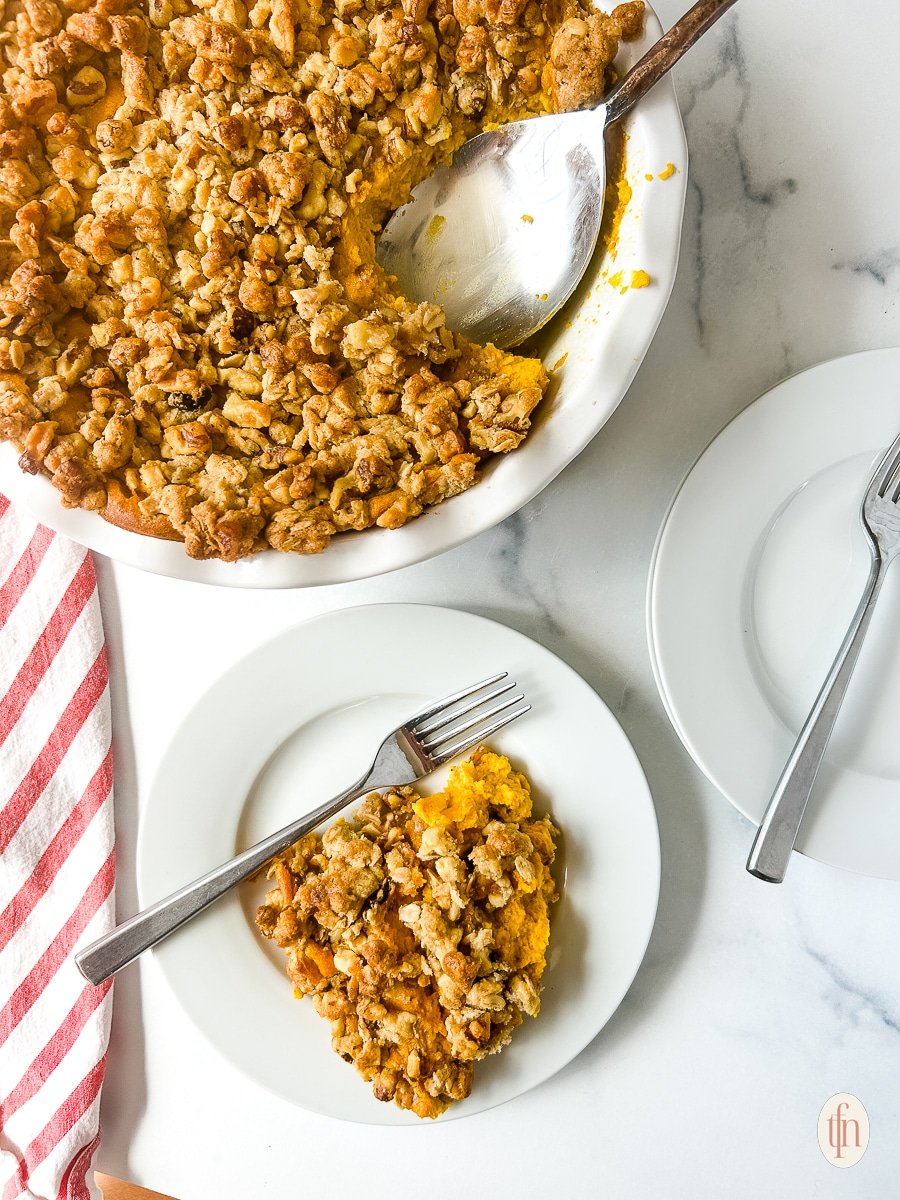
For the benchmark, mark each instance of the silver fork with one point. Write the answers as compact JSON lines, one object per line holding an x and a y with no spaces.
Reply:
{"x":775,"y":838}
{"x":430,"y":738}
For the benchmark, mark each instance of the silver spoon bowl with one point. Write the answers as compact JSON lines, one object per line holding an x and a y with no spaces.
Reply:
{"x":501,"y":238}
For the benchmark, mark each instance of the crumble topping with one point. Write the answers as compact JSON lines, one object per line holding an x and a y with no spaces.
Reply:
{"x":195,"y":338}
{"x":420,"y":929}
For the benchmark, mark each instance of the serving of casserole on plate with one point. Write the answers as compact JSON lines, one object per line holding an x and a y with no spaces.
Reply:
{"x":291,"y":747}
{"x":420,"y":928}
{"x":197,"y":342}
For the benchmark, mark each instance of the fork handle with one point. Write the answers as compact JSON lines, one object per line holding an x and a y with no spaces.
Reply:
{"x":775,"y":838}
{"x":104,"y":957}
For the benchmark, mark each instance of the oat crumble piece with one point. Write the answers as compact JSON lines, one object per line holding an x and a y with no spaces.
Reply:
{"x":195,"y":338}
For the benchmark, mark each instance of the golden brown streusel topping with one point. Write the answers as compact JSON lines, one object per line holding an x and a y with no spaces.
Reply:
{"x":195,"y":338}
{"x":420,"y":930}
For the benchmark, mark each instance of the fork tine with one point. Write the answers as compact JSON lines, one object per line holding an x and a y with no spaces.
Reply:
{"x":885,"y":470}
{"x":439,"y":706}
{"x":480,"y":735}
{"x":890,"y":485}
{"x":433,"y":726}
{"x":434,"y":744}
{"x":892,"y":490}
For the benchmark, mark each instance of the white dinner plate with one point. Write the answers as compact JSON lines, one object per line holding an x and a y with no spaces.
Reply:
{"x":290,"y":726}
{"x":596,"y":345}
{"x":759,"y":567}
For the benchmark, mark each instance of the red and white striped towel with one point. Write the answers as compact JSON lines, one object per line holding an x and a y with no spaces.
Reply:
{"x":56,"y":860}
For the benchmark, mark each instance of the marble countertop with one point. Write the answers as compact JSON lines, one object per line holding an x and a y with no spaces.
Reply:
{"x":755,"y":1004}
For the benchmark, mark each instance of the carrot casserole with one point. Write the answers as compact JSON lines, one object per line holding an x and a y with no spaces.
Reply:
{"x":195,"y":338}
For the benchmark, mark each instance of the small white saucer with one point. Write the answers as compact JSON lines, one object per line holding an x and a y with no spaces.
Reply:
{"x":759,"y":566}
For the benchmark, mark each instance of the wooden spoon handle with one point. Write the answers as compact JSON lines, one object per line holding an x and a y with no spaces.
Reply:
{"x":662,"y":56}
{"x":118,"y":1189}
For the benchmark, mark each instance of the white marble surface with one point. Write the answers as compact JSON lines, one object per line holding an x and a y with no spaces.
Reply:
{"x":755,"y":1004}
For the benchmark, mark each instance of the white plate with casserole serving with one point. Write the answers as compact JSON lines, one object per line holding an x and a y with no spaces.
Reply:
{"x":287,"y":727}
{"x":597,"y":344}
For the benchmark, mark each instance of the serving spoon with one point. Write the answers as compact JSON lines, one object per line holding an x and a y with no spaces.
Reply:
{"x":502,"y":236}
